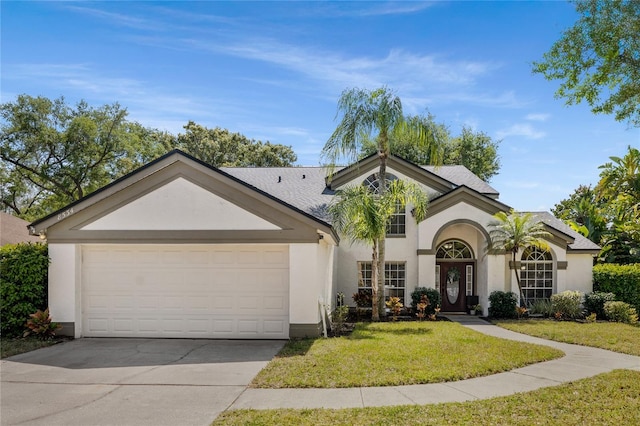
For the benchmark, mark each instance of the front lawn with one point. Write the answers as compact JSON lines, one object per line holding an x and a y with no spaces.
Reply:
{"x":613,"y":336}
{"x":10,"y":347}
{"x":607,"y":399}
{"x":403,"y":353}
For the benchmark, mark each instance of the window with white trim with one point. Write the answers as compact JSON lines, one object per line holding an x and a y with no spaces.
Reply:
{"x":394,"y":278}
{"x":454,"y":249}
{"x":536,"y":274}
{"x":397,"y":223}
{"x":469,"y":273}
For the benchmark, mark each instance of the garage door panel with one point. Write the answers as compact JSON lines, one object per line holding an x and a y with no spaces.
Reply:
{"x":185,"y":291}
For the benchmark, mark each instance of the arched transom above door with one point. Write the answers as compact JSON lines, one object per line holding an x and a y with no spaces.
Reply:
{"x":454,"y":249}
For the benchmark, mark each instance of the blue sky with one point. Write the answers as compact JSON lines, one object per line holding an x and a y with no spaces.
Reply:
{"x":275,"y":70}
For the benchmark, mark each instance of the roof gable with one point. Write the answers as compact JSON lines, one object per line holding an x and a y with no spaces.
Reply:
{"x":255,"y":215}
{"x":180,"y":205}
{"x":371,"y":164}
{"x":464,"y":194}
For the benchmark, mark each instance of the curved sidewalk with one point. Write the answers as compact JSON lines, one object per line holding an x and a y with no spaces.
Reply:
{"x":578,"y":363}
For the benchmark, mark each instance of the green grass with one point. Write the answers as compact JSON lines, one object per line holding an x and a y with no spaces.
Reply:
{"x":608,"y":399}
{"x":403,"y":353}
{"x":10,"y":347}
{"x":613,"y":336}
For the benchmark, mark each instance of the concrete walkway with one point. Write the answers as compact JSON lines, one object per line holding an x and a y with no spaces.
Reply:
{"x":578,"y":363}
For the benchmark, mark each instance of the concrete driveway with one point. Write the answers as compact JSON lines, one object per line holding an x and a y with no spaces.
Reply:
{"x":129,"y":381}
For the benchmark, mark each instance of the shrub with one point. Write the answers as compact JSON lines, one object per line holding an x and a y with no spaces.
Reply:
{"x":433,"y":296}
{"x":395,"y":306}
{"x":594,"y":303}
{"x":568,"y":304}
{"x":502,"y":304}
{"x":542,"y":307}
{"x":621,"y":280}
{"x":23,"y":285}
{"x":41,"y":325}
{"x":363,"y":298}
{"x":338,"y":318}
{"x":620,"y":312}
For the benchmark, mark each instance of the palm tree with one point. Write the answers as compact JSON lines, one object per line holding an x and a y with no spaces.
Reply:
{"x":362,"y":216}
{"x":514,"y":232}
{"x":375,"y":114}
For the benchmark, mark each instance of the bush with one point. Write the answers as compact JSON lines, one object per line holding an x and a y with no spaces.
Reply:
{"x":542,"y":307}
{"x":23,"y":285}
{"x":621,"y":280}
{"x":432,"y":294}
{"x":41,"y":325}
{"x":568,"y":304}
{"x":620,"y":312}
{"x":502,"y":304}
{"x":594,"y":303}
{"x":363,"y":298}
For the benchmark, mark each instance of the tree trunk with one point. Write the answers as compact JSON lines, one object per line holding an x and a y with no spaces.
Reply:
{"x":382,"y":174}
{"x":375,"y":311}
{"x":523,"y":302}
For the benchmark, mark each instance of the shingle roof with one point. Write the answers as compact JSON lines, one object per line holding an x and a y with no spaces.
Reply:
{"x":460,"y":175}
{"x":580,"y":242}
{"x":305,"y":187}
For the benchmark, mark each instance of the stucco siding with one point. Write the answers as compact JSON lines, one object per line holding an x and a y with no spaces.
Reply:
{"x":64,"y":284}
{"x":579,"y":274}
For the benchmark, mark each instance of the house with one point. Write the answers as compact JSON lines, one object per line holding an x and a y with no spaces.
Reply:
{"x":178,"y":248}
{"x":13,"y":230}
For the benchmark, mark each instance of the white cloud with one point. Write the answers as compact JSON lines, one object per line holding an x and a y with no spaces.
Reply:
{"x":520,"y":129}
{"x":537,"y":117}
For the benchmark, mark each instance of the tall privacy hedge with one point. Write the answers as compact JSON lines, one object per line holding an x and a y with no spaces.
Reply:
{"x":621,"y":280}
{"x":23,"y":285}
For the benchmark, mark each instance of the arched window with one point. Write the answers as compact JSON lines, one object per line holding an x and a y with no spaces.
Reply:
{"x":373,"y":183}
{"x":454,"y":249}
{"x":397,"y":224}
{"x":536,"y":274}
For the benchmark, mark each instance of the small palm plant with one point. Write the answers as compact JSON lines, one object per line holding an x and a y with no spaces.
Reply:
{"x":514,"y":232}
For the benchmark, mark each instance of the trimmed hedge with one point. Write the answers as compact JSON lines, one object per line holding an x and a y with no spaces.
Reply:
{"x":621,"y":280}
{"x":23,"y":285}
{"x":432,"y":294}
{"x":502,"y":304}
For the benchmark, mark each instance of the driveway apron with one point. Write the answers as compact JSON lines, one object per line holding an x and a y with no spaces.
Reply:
{"x":129,"y":381}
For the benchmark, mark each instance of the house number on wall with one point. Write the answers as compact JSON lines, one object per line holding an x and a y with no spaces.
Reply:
{"x":65,"y":214}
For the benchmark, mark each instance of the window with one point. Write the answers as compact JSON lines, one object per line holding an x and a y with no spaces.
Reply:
{"x":397,"y":223}
{"x":536,"y":274}
{"x":454,"y":249}
{"x":398,"y":220}
{"x":394,"y":274}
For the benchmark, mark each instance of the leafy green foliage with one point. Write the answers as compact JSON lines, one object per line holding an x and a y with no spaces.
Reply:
{"x":502,"y":304}
{"x":597,"y":59}
{"x":568,"y":304}
{"x":433,"y":296}
{"x":621,"y":280}
{"x":609,"y":214}
{"x":514,"y":232}
{"x":221,"y":148}
{"x":23,"y":284}
{"x":594,"y":302}
{"x":620,"y":312}
{"x":542,"y":307}
{"x":362,"y":217}
{"x":375,"y":115}
{"x":474,"y":150}
{"x":40,"y":325}
{"x":53,"y":154}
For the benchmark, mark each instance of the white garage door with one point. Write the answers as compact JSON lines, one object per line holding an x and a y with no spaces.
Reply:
{"x":192,"y":291}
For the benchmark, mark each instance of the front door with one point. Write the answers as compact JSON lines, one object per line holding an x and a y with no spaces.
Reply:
{"x":453,"y":286}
